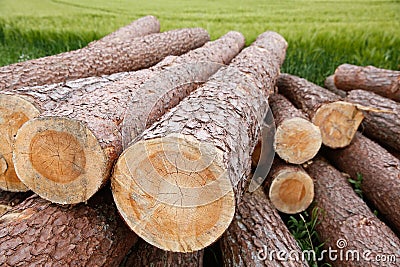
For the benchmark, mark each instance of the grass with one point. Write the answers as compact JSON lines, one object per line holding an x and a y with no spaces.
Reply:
{"x":321,"y":34}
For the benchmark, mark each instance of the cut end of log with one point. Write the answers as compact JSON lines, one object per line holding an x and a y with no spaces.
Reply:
{"x":338,"y":122}
{"x":291,"y":191}
{"x":297,"y":140}
{"x":174,"y":192}
{"x":59,"y":159}
{"x":14,"y":112}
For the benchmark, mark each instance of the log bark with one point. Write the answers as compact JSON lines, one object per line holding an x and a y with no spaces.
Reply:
{"x":66,"y":154}
{"x":36,"y":233}
{"x":256,"y":234}
{"x":183,"y":171}
{"x":297,"y":140}
{"x":384,"y":127}
{"x":329,"y":84}
{"x":380,"y":81}
{"x":96,"y":60}
{"x":346,"y":223}
{"x":144,"y":254}
{"x":290,"y":188}
{"x":337,"y":120}
{"x":380,"y":171}
{"x":10,"y":199}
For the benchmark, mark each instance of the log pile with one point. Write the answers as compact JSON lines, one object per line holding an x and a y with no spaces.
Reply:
{"x":173,"y":120}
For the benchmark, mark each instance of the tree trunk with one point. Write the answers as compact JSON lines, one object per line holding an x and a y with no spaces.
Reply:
{"x":67,"y":153}
{"x":330,"y":85}
{"x":291,"y":189}
{"x":297,"y":140}
{"x":144,"y":254}
{"x":380,"y":81}
{"x":101,"y":58}
{"x":9,"y":200}
{"x":184,"y":170}
{"x":257,"y":234}
{"x":337,"y":120}
{"x":346,"y":223}
{"x":37,"y":232}
{"x":380,"y":171}
{"x":384,"y":127}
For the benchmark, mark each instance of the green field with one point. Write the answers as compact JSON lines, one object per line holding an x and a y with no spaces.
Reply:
{"x":321,"y":34}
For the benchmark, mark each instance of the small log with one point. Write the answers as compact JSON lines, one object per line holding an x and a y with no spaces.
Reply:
{"x":329,"y":84}
{"x":382,"y":126}
{"x":257,"y":234}
{"x":96,"y":60}
{"x":37,"y":232}
{"x":66,"y":154}
{"x":380,"y":171}
{"x":144,"y":254}
{"x":346,"y":224}
{"x":291,"y":189}
{"x":297,"y":140}
{"x":337,"y":120}
{"x":175,"y":184}
{"x":380,"y":81}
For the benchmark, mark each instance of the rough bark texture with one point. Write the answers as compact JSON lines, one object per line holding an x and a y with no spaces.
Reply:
{"x":380,"y":171}
{"x":95,"y":116}
{"x":219,"y":122}
{"x":36,"y":233}
{"x":384,"y":127}
{"x":9,"y":200}
{"x":346,"y":222}
{"x":337,"y":120}
{"x":380,"y":81}
{"x":290,"y":188}
{"x":98,"y":59}
{"x":144,"y":254}
{"x":329,"y":84}
{"x":297,"y":140}
{"x":255,"y":232}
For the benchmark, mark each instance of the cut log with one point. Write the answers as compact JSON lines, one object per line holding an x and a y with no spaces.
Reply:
{"x":337,"y":120}
{"x":346,"y":224}
{"x":175,"y":184}
{"x":330,"y":85}
{"x":144,"y":254}
{"x":291,"y":189}
{"x":297,"y":140}
{"x":66,"y":154}
{"x":380,"y":81}
{"x":96,"y":60}
{"x":257,"y":234}
{"x":36,"y":233}
{"x":384,"y":127}
{"x":380,"y":171}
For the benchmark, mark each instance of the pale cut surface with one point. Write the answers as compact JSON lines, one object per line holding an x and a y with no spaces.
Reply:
{"x":291,"y":191}
{"x":59,"y":159}
{"x":175,"y":194}
{"x":14,"y":112}
{"x":297,"y":140}
{"x":338,"y":122}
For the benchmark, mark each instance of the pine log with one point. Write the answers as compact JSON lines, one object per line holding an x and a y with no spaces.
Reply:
{"x":380,"y":81}
{"x":337,"y":120}
{"x":346,"y":223}
{"x":380,"y":171}
{"x":66,"y":154}
{"x":257,"y":234}
{"x":144,"y":254}
{"x":96,"y":60}
{"x":384,"y":127}
{"x":38,"y":233}
{"x":297,"y":140}
{"x":175,"y":185}
{"x":291,"y":189}
{"x":329,"y":84}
